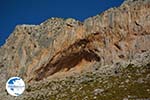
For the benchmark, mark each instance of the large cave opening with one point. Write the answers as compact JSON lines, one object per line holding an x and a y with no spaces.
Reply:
{"x":68,"y":62}
{"x":69,"y":58}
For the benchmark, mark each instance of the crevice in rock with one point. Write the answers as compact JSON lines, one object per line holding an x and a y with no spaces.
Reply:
{"x":69,"y":25}
{"x":117,"y":46}
{"x":13,"y":47}
{"x":121,"y":56}
{"x":143,"y":51}
{"x":1,"y":65}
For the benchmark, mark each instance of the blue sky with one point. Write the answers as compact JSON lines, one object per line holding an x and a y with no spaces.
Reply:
{"x":14,"y":12}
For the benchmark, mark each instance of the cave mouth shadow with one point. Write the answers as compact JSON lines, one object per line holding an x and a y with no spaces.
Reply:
{"x":68,"y":62}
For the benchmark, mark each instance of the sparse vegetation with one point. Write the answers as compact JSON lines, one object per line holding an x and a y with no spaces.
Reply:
{"x":132,"y":83}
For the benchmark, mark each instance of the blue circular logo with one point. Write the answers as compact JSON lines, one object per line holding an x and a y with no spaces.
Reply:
{"x":15,"y":86}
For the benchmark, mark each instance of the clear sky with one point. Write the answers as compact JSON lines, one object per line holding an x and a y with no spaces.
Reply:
{"x":14,"y":12}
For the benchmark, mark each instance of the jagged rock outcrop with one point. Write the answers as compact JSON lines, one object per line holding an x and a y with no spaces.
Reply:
{"x":117,"y":37}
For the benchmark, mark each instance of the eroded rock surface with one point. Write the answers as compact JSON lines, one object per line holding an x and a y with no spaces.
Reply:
{"x":116,"y":38}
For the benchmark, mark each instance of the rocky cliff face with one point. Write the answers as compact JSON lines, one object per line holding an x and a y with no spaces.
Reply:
{"x":116,"y":38}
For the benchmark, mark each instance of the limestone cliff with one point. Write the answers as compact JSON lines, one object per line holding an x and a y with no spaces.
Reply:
{"x":117,"y":37}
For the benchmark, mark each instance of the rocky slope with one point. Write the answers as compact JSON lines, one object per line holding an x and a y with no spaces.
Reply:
{"x":108,"y":42}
